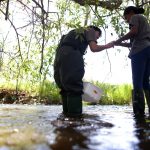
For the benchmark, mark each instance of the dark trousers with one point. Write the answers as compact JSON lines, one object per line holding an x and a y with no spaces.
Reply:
{"x":68,"y":74}
{"x":140,"y":63}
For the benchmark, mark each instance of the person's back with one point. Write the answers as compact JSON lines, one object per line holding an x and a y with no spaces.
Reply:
{"x":77,"y":40}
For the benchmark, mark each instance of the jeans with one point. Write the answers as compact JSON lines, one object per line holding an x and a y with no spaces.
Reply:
{"x":140,"y":64}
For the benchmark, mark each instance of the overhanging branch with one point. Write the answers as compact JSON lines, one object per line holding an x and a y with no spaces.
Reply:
{"x":110,"y":5}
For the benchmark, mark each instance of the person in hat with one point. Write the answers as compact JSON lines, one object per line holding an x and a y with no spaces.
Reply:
{"x":139,"y":54}
{"x":69,"y":66}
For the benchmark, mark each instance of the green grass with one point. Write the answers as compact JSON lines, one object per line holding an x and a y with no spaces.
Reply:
{"x":50,"y":91}
{"x":112,"y":94}
{"x":115,"y":94}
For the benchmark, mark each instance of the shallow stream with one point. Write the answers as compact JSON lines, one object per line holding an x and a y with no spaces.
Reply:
{"x":38,"y":127}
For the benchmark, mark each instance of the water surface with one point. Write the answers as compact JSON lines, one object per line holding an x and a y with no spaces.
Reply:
{"x":26,"y":127}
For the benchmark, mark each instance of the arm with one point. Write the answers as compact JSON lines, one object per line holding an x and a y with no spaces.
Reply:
{"x":130,"y":34}
{"x":124,"y":44}
{"x":96,"y":48}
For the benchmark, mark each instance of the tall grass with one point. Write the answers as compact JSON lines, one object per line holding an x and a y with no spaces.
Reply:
{"x":50,"y":91}
{"x":115,"y":94}
{"x":112,"y":94}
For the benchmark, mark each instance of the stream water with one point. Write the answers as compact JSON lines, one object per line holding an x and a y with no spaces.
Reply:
{"x":37,"y":127}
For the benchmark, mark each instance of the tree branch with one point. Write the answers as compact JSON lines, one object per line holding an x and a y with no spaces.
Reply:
{"x":7,"y":10}
{"x":28,"y":8}
{"x":16,"y":34}
{"x":43,"y":37}
{"x":110,"y":5}
{"x":42,"y":8}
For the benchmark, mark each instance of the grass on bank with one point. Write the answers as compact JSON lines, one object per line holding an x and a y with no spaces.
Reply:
{"x":112,"y":94}
{"x":115,"y":94}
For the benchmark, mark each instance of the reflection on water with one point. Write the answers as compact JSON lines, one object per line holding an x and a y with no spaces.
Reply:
{"x":69,"y":138}
{"x":101,"y":128}
{"x":142,"y":132}
{"x":77,"y":131}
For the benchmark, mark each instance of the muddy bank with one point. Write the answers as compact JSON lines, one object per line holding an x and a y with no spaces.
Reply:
{"x":22,"y":97}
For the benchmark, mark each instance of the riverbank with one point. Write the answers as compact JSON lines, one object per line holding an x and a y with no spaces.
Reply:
{"x":8,"y":96}
{"x":48,"y":93}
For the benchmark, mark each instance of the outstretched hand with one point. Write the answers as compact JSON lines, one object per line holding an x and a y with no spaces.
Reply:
{"x":117,"y":42}
{"x":109,"y":45}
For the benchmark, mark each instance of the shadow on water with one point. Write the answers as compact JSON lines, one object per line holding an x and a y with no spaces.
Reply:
{"x":142,"y":132}
{"x":74,"y":133}
{"x":69,"y":138}
{"x":101,"y":128}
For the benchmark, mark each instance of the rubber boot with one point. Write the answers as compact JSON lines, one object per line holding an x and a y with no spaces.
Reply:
{"x":147,"y":97}
{"x":138,"y":103}
{"x":74,"y":105}
{"x":64,"y":103}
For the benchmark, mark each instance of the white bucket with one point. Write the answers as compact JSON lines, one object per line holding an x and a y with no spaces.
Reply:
{"x":92,"y":93}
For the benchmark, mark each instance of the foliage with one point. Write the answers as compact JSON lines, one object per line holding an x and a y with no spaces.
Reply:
{"x":115,"y":94}
{"x":32,"y":30}
{"x":48,"y":92}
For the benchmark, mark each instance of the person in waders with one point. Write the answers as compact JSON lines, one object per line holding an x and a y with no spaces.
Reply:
{"x":69,"y":66}
{"x":139,"y":36}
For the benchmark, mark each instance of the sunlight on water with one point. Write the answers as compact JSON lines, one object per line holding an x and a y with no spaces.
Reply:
{"x":24,"y":137}
{"x":100,"y":128}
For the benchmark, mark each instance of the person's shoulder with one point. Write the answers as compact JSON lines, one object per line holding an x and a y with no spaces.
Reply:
{"x":140,"y":16}
{"x":71,"y":32}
